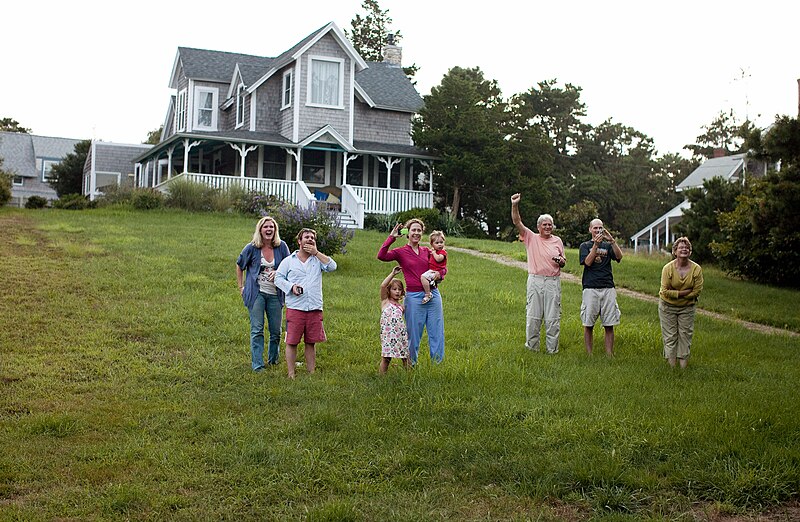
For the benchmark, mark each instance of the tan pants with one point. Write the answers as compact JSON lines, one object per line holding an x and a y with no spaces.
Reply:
{"x":543,"y":304}
{"x":677,"y":328}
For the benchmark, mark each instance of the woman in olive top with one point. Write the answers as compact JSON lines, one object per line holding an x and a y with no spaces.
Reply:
{"x":681,"y":284}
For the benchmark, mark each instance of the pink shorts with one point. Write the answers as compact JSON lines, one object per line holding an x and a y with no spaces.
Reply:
{"x":305,"y":325}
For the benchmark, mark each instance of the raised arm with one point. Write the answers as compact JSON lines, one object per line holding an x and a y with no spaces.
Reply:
{"x":614,"y":246}
{"x":384,"y":254}
{"x":515,"y":213}
{"x":385,"y":284}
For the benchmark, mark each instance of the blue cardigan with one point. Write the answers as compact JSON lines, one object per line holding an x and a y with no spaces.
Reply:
{"x":250,"y":261}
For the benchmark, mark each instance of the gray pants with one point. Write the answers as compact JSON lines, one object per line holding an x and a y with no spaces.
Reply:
{"x":543,"y":304}
{"x":677,"y":329}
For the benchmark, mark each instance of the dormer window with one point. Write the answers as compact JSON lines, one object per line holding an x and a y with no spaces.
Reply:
{"x":240,"y":105}
{"x":286,"y":96}
{"x":326,"y":82}
{"x":205,"y":115}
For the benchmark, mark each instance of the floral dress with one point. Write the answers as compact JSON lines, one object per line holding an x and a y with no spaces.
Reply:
{"x":394,"y":337}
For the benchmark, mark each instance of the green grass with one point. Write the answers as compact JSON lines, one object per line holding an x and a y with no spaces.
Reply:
{"x":125,"y":393}
{"x":641,"y":272}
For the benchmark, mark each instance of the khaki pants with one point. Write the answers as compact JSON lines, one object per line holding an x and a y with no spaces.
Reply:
{"x":543,"y":304}
{"x":677,"y":328}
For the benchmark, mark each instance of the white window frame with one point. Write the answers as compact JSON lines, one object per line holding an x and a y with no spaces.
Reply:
{"x":286,"y":90}
{"x":45,"y":170}
{"x":199,"y":93}
{"x":340,"y":61}
{"x":240,"y":105}
{"x":180,"y":111}
{"x":21,"y":181}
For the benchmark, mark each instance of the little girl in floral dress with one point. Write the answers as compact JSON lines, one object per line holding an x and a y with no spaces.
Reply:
{"x":394,"y":337}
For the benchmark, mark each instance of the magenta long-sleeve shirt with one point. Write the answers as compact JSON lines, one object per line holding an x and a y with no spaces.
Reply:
{"x":413,"y":264}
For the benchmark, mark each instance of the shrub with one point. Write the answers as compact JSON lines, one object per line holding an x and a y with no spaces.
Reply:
{"x":429,"y":216}
{"x":5,"y":187}
{"x":36,"y":202}
{"x":380,"y":222}
{"x":191,"y":196}
{"x":257,"y":204}
{"x":115,"y":195}
{"x":73,"y":202}
{"x":147,"y":199}
{"x":331,"y":236}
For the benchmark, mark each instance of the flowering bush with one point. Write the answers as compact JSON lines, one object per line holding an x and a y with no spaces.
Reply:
{"x":332,"y":238}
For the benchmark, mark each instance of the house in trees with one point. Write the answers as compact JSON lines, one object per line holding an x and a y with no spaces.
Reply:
{"x":734,"y":168}
{"x":30,"y":159}
{"x":316,"y":122}
{"x":110,"y":164}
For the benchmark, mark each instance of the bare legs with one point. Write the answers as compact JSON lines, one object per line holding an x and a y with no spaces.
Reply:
{"x":609,"y":339}
{"x":310,"y":356}
{"x":385,"y":364}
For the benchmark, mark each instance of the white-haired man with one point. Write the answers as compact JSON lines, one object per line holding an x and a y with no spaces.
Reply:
{"x":545,"y":261}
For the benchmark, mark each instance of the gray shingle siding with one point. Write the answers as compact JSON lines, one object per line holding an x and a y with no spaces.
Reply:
{"x":384,"y":126}
{"x":24,"y":155}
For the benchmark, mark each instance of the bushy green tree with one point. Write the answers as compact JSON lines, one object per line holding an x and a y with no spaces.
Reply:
{"x":369,"y":33}
{"x":725,"y":132}
{"x":573,"y":223}
{"x":5,"y":185}
{"x":12,"y":125}
{"x":67,"y":176}
{"x":154,"y":136}
{"x":761,"y":236}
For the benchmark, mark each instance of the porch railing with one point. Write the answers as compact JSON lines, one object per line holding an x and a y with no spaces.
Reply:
{"x":353,"y":205}
{"x":389,"y":201}
{"x":283,"y":189}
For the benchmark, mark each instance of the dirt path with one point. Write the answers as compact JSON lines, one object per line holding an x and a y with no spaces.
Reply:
{"x":570,"y":278}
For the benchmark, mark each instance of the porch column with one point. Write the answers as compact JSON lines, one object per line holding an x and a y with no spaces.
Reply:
{"x":170,"y":151}
{"x":297,"y":154}
{"x":666,"y":234}
{"x":243,"y":152}
{"x":347,"y":159}
{"x":389,"y":162}
{"x":650,"y":245}
{"x":186,"y":148}
{"x":429,"y":165}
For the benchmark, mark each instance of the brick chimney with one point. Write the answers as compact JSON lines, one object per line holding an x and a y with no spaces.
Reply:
{"x":392,"y":54}
{"x":720,"y":152}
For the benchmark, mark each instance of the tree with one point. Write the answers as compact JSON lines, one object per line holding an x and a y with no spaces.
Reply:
{"x":555,"y":110}
{"x":67,"y":176}
{"x":463,"y":122}
{"x":5,"y":185}
{"x":154,"y":136}
{"x":573,"y":225}
{"x":725,"y":133}
{"x":761,"y":236}
{"x":370,"y":33}
{"x":12,"y":125}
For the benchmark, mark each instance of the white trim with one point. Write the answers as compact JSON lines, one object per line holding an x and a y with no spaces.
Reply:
{"x":173,"y":81}
{"x":351,"y":96}
{"x":181,"y":108}
{"x":14,"y":180}
{"x":236,"y":80}
{"x":327,"y":129}
{"x":290,"y":73}
{"x":199,"y":90}
{"x":93,"y":171}
{"x":189,"y":106}
{"x":361,"y":92}
{"x":296,"y":109}
{"x":311,"y":59}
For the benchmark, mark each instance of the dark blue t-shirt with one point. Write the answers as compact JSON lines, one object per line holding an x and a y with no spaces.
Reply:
{"x":599,"y":274}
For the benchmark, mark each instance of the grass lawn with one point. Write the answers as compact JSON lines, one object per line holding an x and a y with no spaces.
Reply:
{"x":126,"y":393}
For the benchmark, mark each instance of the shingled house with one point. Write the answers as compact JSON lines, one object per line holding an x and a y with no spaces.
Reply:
{"x":316,"y":123}
{"x":30,"y":158}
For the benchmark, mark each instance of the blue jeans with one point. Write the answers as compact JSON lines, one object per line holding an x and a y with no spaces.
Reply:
{"x":428,"y":316}
{"x":271,"y":306}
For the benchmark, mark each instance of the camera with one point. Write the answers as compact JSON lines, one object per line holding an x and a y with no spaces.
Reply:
{"x":299,"y":289}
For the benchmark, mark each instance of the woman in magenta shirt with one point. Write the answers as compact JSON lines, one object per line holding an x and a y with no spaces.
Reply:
{"x":413,"y":259}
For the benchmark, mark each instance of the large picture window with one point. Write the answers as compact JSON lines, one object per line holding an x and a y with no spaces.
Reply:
{"x":314,"y":166}
{"x":274,"y":163}
{"x":326,"y":82}
{"x":286,"y":97}
{"x":205,"y":116}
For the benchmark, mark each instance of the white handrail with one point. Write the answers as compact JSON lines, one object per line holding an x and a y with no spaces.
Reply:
{"x":389,"y":201}
{"x":304,"y":197}
{"x":353,"y":205}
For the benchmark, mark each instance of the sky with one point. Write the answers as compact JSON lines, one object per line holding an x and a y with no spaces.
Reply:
{"x":100,"y":70}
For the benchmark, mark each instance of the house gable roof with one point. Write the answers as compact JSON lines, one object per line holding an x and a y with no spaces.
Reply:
{"x":20,"y":151}
{"x":387,"y":87}
{"x":726,"y":167}
{"x":215,"y":66}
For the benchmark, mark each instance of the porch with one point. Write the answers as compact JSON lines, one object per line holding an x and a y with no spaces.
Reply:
{"x":357,"y":180}
{"x":355,"y":201}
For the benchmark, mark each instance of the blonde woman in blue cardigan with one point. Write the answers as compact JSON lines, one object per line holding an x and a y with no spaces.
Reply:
{"x":260,"y":259}
{"x":681,"y":284}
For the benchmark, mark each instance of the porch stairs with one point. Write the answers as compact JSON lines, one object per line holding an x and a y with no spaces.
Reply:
{"x":346,"y":220}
